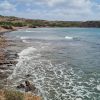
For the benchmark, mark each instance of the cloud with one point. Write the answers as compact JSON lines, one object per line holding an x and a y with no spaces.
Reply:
{"x":6,"y":6}
{"x":53,"y":9}
{"x":75,"y":5}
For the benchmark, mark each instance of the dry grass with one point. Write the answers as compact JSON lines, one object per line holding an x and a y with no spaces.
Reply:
{"x":15,"y":95}
{"x":2,"y":97}
{"x":29,"y":96}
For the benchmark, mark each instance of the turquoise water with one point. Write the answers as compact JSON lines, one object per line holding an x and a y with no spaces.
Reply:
{"x":64,"y":62}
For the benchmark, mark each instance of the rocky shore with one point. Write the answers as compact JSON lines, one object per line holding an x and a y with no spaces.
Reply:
{"x":4,"y":29}
{"x":8,"y":61}
{"x":7,"y":57}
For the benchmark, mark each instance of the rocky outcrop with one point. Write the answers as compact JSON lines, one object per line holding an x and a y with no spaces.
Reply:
{"x":27,"y":86}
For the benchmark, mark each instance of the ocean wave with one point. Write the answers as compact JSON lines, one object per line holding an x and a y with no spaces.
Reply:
{"x":28,"y":31}
{"x":68,"y":37}
{"x":24,"y":56}
{"x":72,"y":38}
{"x":25,"y":38}
{"x":27,"y":51}
{"x":58,"y":78}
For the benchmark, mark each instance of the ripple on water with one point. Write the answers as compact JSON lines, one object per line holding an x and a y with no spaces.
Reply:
{"x":55,"y":81}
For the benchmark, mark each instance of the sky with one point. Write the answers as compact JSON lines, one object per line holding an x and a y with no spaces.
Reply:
{"x":66,"y":10}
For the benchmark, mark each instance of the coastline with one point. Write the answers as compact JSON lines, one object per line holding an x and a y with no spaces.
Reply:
{"x":7,"y":57}
{"x":8,"y":61}
{"x":8,"y":53}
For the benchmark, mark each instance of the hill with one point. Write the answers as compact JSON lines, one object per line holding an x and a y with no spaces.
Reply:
{"x":9,"y":22}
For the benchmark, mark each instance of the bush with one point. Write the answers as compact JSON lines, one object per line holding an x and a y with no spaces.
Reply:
{"x":7,"y":27}
{"x":13,"y":95}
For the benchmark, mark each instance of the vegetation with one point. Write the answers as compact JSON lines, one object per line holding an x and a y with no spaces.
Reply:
{"x":16,"y":95}
{"x":8,"y":22}
{"x":13,"y":95}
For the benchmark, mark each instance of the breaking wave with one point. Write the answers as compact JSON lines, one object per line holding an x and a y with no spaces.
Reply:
{"x":68,"y":37}
{"x":55,"y":81}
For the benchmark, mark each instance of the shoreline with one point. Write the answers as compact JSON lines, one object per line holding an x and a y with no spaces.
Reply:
{"x":8,"y":61}
{"x":7,"y":57}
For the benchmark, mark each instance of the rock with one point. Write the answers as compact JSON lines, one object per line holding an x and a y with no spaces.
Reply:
{"x":20,"y":86}
{"x":4,"y":62}
{"x":9,"y":65}
{"x":29,"y":87}
{"x":13,"y":62}
{"x":28,"y":75}
{"x":4,"y":67}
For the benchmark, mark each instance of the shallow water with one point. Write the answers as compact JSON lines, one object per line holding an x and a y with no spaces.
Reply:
{"x":63,"y":63}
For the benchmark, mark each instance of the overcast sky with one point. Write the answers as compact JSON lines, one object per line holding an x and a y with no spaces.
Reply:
{"x":68,"y":10}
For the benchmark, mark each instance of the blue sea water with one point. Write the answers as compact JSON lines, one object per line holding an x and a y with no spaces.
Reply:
{"x":64,"y":63}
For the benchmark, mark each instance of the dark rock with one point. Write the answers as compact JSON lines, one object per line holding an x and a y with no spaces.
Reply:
{"x":20,"y":86}
{"x":13,"y":62}
{"x":29,"y":87}
{"x":3,"y":63}
{"x":4,"y":67}
{"x":28,"y":75}
{"x":9,"y":65}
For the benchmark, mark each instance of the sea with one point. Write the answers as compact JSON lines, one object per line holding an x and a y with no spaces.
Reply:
{"x":63,"y":63}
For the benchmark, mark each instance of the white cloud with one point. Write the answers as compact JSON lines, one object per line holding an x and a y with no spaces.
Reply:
{"x":6,"y":6}
{"x":53,"y":9}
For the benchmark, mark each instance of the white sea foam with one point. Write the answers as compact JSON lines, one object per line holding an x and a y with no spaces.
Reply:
{"x":68,"y":37}
{"x":24,"y":57}
{"x":25,"y":37}
{"x":78,"y":98}
{"x":28,"y":31}
{"x":48,"y":76}
{"x":98,"y":87}
{"x":27,"y":51}
{"x":25,"y":41}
